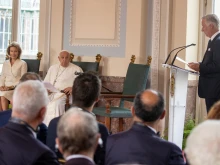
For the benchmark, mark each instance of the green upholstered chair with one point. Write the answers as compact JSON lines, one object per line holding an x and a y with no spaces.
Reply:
{"x":87,"y":66}
{"x":33,"y":65}
{"x":135,"y":81}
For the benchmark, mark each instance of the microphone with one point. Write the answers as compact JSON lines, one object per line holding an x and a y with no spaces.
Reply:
{"x":176,"y":49}
{"x":181,"y":50}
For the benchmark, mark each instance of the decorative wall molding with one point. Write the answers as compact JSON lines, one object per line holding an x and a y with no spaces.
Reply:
{"x":155,"y":44}
{"x":111,"y":42}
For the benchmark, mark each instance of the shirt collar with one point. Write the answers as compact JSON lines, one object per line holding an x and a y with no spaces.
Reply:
{"x":142,"y":124}
{"x":78,"y":156}
{"x":34,"y":133}
{"x":85,"y":111}
{"x":214,"y":35}
{"x":152,"y":129}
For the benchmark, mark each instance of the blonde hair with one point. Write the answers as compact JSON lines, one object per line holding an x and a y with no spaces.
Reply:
{"x":214,"y":112}
{"x":17,"y":46}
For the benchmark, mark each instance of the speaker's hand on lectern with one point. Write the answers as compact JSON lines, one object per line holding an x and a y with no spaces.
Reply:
{"x":194,"y":66}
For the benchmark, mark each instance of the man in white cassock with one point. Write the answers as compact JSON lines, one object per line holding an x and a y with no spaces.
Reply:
{"x":61,"y":76}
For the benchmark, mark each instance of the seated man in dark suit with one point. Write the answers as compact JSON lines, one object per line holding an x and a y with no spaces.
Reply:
{"x":85,"y":93}
{"x":140,"y":144}
{"x":18,"y":143}
{"x":5,"y":115}
{"x":77,"y":137}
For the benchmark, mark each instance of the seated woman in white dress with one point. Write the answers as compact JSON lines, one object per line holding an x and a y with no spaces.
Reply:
{"x":12,"y":71}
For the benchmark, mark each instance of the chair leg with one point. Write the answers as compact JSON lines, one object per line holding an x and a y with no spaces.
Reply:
{"x":120,"y":124}
{"x":108,"y":123}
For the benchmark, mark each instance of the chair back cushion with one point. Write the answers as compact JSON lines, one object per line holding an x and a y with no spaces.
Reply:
{"x":33,"y":65}
{"x":135,"y":80}
{"x":87,"y":66}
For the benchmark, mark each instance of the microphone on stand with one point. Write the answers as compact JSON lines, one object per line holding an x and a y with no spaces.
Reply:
{"x":176,"y":49}
{"x":181,"y":50}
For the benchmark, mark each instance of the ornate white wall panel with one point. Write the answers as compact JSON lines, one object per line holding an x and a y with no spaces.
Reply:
{"x":89,"y":24}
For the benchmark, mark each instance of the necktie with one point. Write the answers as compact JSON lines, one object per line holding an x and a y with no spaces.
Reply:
{"x":158,"y":133}
{"x":209,"y":44}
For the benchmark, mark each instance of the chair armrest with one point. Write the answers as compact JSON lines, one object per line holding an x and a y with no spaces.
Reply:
{"x":117,"y":93}
{"x":116,"y":96}
{"x":106,"y":88}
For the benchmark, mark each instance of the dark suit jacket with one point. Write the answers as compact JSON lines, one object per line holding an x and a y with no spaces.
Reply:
{"x":42,"y":133}
{"x":18,"y":146}
{"x":209,"y":79}
{"x":99,"y":156}
{"x":140,"y":145}
{"x":79,"y":161}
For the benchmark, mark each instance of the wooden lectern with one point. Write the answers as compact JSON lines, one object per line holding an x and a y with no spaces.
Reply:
{"x":177,"y":102}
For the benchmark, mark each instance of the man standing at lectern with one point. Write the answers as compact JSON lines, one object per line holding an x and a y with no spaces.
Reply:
{"x":209,"y":68}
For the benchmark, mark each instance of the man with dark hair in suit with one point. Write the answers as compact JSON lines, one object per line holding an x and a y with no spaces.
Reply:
{"x":5,"y":115}
{"x":85,"y":93}
{"x":77,"y":137}
{"x":18,"y":143}
{"x":140,"y":144}
{"x":209,"y":68}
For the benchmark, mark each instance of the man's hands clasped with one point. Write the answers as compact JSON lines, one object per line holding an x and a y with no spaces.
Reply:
{"x":67,"y":90}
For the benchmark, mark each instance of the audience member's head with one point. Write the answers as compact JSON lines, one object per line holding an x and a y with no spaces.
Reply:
{"x":77,"y":133}
{"x":149,"y":106}
{"x":30,"y":99}
{"x":86,"y":90}
{"x":15,"y":45}
{"x":214,"y":112}
{"x":64,"y":58}
{"x":202,"y":145}
{"x":30,"y":76}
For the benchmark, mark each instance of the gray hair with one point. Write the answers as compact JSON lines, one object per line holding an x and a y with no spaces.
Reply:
{"x":30,"y":76}
{"x":77,"y":131}
{"x":212,"y":19}
{"x":202,"y":146}
{"x":29,"y":97}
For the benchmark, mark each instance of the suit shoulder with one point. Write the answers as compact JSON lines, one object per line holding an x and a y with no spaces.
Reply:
{"x":168,"y":144}
{"x":47,"y":156}
{"x":102,"y":127}
{"x":7,"y":112}
{"x":54,"y":121}
{"x":217,"y":39}
{"x":120,"y":135}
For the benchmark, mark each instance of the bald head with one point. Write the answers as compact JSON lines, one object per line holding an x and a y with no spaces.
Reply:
{"x":64,"y":58}
{"x":149,"y":97}
{"x":149,"y":105}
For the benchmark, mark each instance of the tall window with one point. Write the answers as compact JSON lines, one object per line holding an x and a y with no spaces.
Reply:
{"x":5,"y":25}
{"x":19,"y":21}
{"x":29,"y":26}
{"x":216,"y":7}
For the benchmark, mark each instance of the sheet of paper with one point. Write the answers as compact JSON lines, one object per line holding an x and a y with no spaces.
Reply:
{"x":181,"y":60}
{"x":50,"y":87}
